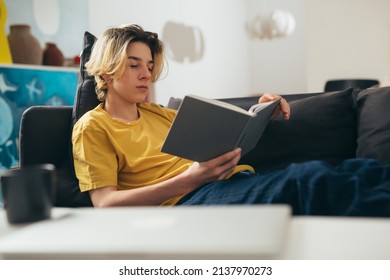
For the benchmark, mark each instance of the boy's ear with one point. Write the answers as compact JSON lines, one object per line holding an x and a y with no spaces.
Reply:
{"x":107,"y":77}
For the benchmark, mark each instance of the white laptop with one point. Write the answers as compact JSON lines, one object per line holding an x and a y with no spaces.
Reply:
{"x":190,"y":232}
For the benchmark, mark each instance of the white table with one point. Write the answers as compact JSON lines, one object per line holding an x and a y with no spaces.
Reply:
{"x":304,"y":238}
{"x":333,"y":238}
{"x":234,"y":232}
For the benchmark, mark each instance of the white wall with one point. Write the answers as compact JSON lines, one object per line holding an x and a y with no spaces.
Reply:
{"x":62,"y":22}
{"x":347,"y":39}
{"x":333,"y":39}
{"x":279,"y":65}
{"x":222,"y":72}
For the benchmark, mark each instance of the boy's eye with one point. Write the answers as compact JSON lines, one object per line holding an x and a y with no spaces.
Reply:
{"x":136,"y":66}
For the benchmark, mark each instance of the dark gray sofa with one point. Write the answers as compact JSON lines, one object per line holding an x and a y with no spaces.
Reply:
{"x":330,"y":126}
{"x":324,"y":126}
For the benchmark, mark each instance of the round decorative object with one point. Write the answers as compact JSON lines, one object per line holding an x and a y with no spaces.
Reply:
{"x":276,"y":24}
{"x":282,"y":22}
{"x":25,"y":48}
{"x":52,"y":55}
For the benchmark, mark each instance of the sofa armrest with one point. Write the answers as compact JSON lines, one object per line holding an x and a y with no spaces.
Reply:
{"x":44,"y":135}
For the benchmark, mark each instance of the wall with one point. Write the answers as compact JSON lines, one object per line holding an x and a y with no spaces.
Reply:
{"x":333,"y":39}
{"x":222,"y":71}
{"x":347,"y":39}
{"x":279,"y":65}
{"x":60,"y":21}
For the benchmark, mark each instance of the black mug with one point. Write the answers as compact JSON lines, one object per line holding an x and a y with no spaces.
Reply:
{"x":28,"y":192}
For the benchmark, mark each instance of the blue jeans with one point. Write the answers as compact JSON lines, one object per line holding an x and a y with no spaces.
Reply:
{"x":357,"y":187}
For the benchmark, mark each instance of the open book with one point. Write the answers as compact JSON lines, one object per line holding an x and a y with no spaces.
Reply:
{"x":207,"y":128}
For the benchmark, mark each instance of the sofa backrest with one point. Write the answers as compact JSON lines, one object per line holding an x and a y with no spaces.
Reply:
{"x":45,"y":134}
{"x":85,"y":99}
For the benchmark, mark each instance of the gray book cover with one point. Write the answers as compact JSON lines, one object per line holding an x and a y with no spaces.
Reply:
{"x":207,"y":128}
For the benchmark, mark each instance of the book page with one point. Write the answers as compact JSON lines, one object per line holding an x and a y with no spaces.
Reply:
{"x":221,"y":104}
{"x":260,"y":106}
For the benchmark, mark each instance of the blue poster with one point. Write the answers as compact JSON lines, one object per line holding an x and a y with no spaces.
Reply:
{"x":24,"y":86}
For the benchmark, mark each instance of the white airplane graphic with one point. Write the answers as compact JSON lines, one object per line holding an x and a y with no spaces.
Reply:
{"x":4,"y":86}
{"x":32,"y":89}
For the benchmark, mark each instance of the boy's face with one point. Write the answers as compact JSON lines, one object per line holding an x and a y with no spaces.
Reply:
{"x":133,"y":86}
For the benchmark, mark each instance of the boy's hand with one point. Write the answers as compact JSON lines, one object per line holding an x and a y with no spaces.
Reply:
{"x":215,"y":169}
{"x":283,"y":107}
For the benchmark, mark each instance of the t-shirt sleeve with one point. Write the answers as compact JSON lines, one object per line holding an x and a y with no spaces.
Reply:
{"x":95,"y":162}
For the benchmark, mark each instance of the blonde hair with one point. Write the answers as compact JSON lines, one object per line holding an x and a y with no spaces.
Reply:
{"x":109,"y":54}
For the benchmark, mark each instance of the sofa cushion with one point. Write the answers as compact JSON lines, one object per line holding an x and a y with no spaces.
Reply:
{"x":321,"y":127}
{"x":68,"y":193}
{"x":86,"y":98}
{"x":373,"y":130}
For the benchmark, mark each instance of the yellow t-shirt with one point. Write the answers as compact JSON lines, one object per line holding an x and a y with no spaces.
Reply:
{"x":109,"y":152}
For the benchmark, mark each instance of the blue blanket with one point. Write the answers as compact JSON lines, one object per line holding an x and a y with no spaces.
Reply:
{"x":356,"y":187}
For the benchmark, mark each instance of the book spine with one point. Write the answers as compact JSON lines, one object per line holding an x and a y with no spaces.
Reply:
{"x":243,"y":139}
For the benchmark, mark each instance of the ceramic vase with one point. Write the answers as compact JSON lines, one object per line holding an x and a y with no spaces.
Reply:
{"x":25,"y":48}
{"x":52,"y":55}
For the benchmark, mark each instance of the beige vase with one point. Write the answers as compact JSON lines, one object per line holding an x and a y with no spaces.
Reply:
{"x":25,"y":48}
